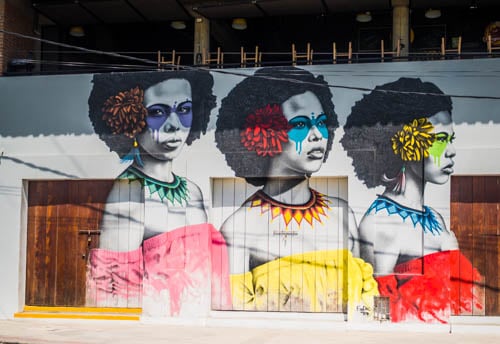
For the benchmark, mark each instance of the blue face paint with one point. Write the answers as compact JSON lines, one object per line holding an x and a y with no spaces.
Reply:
{"x":301,"y":125}
{"x":158,"y":114}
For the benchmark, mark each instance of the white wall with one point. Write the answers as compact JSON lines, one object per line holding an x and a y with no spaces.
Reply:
{"x":45,"y":133}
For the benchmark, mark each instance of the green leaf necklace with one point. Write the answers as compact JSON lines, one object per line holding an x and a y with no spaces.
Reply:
{"x":176,"y":191}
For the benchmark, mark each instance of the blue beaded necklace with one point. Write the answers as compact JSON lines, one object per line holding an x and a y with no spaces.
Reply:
{"x":427,"y":218}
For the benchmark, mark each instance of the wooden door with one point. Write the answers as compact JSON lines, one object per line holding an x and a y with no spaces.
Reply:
{"x":63,"y":219}
{"x":475,"y":219}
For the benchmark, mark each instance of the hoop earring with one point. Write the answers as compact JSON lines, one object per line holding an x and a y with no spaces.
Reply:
{"x":398,"y":183}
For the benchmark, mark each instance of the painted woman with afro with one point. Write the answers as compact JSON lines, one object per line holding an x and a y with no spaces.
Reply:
{"x":400,"y":136}
{"x":288,"y":244}
{"x":155,"y":244}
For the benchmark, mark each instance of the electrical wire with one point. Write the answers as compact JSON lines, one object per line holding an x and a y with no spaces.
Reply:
{"x":233,"y":73}
{"x":93,"y":51}
{"x":88,"y":64}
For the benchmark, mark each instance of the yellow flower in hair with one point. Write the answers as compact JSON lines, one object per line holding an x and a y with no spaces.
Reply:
{"x":412,"y":143}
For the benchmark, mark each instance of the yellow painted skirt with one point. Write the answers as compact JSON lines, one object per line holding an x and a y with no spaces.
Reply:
{"x":318,"y":281}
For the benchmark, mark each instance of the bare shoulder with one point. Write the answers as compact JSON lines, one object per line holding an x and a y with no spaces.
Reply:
{"x":340,"y":207}
{"x":194,"y":190}
{"x":447,"y":239}
{"x":440,"y":219}
{"x":381,"y":225}
{"x":367,"y":226}
{"x":337,"y":202}
{"x":369,"y":220}
{"x":235,"y":223}
{"x":195,"y":207}
{"x":122,"y":226}
{"x":247,"y":223}
{"x":233,"y":230}
{"x":125,"y":190}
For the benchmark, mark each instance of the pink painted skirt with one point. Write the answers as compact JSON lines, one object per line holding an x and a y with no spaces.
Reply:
{"x":183,"y":272}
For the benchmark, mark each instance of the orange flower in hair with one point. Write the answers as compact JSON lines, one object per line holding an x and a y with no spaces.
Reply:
{"x":412,"y":143}
{"x":125,"y":112}
{"x":265,"y":131}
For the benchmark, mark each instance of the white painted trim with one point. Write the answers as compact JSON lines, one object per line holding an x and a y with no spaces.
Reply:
{"x":23,"y":240}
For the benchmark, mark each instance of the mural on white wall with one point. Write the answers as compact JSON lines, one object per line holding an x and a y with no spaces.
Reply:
{"x":290,"y":155}
{"x":400,"y":136}
{"x":289,"y":246}
{"x":156,"y":247}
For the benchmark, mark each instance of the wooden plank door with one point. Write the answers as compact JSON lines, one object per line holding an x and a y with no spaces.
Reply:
{"x":228,"y":194}
{"x":475,"y":220}
{"x":62,"y":217}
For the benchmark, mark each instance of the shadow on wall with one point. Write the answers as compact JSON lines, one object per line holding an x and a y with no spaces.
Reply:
{"x":58,"y":105}
{"x":38,"y":167}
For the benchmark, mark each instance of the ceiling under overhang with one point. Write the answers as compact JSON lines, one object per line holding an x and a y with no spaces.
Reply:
{"x":88,"y":12}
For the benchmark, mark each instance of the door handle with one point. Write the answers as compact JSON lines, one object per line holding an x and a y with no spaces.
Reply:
{"x":89,"y":231}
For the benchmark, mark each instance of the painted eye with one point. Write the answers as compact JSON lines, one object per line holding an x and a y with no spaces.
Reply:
{"x":452,"y":138}
{"x":155,"y":112}
{"x":442,"y":138}
{"x":184,"y":109}
{"x":158,"y":111}
{"x":321,"y":123}
{"x":299,"y":122}
{"x":299,"y":125}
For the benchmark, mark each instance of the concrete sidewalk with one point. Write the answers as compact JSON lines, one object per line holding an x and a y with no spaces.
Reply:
{"x":242,"y":330}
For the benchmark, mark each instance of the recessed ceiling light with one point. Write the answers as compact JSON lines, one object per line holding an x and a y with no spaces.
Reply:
{"x":432,"y":14}
{"x":178,"y":24}
{"x":77,"y":31}
{"x":239,"y":24}
{"x":364,"y":17}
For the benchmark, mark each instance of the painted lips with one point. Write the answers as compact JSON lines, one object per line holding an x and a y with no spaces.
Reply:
{"x":316,"y":153}
{"x":448,"y":169}
{"x":171,"y":144}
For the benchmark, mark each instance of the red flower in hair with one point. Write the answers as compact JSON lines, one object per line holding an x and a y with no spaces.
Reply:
{"x":265,"y":131}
